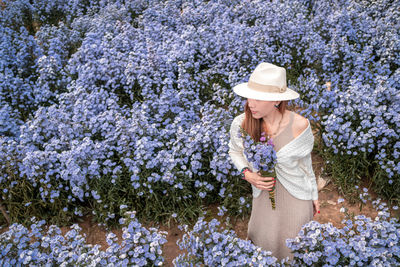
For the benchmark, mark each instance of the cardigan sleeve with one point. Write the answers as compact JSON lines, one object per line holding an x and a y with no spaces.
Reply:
{"x":236,"y":145}
{"x":308,"y":165}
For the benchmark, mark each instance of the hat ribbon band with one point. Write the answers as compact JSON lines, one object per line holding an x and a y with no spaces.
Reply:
{"x":265,"y":88}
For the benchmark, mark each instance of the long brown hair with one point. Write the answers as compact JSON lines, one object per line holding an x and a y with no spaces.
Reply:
{"x":253,"y":126}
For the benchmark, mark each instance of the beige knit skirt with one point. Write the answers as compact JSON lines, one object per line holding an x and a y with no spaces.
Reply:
{"x":269,"y":228}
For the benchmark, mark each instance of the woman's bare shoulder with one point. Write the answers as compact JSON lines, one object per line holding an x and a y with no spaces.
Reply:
{"x":299,"y":125}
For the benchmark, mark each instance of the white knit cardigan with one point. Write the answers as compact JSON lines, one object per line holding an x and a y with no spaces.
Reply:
{"x":293,"y":168}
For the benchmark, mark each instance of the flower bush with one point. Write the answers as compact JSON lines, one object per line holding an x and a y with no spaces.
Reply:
{"x":210,"y":244}
{"x":359,"y":117}
{"x":361,"y":241}
{"x":39,"y":245}
{"x":17,"y":73}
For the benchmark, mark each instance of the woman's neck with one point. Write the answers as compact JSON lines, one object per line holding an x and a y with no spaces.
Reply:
{"x":273,"y":118}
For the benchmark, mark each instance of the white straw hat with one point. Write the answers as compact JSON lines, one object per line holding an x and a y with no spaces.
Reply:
{"x":267,"y":82}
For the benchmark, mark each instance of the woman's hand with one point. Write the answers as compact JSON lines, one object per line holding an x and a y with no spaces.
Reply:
{"x":262,"y":183}
{"x":316,"y":206}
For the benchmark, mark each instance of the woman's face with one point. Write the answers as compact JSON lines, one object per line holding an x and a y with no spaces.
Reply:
{"x":261,"y":108}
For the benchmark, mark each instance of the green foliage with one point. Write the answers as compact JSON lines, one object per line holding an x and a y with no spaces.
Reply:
{"x":238,"y":197}
{"x":346,"y":171}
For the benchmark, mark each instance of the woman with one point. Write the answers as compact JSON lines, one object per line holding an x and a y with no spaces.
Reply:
{"x":296,"y":193}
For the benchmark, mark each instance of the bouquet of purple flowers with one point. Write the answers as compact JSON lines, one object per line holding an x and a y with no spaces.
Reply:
{"x":262,"y":155}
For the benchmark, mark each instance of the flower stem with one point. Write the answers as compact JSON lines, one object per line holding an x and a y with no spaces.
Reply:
{"x":272,"y":192}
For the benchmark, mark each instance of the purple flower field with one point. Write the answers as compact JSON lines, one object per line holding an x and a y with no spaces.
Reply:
{"x":111,"y":106}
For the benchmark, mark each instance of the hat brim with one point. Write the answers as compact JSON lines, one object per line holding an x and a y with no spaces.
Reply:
{"x":244,"y":91}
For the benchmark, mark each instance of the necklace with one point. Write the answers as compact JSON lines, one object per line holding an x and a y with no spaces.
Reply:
{"x":277,"y":129}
